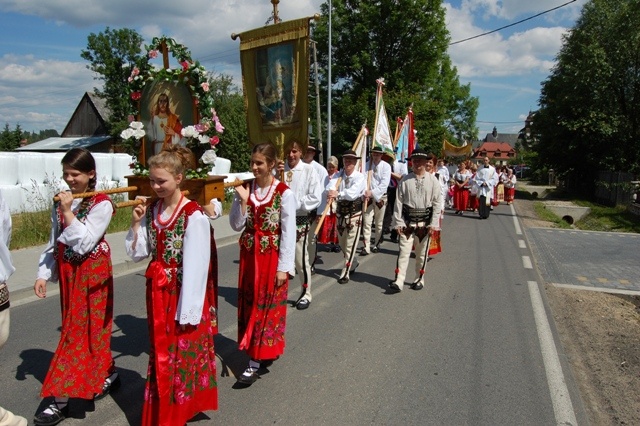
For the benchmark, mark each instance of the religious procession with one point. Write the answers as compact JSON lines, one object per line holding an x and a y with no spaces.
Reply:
{"x":385,"y":190}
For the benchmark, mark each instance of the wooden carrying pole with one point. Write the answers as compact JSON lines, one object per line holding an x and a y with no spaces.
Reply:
{"x":104,"y":191}
{"x":138,"y":201}
{"x":359,"y":139}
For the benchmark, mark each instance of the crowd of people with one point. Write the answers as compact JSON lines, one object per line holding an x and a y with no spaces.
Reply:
{"x":283,"y":213}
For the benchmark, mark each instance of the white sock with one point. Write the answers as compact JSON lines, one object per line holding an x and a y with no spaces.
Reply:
{"x":60,"y":403}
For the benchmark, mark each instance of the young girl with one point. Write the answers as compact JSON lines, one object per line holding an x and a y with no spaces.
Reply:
{"x":79,"y":257}
{"x":267,"y":212}
{"x":181,"y":379}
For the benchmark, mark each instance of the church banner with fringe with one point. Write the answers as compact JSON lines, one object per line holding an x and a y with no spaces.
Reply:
{"x":275,"y":77}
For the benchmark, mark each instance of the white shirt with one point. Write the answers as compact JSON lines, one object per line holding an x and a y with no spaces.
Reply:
{"x":303,"y":181}
{"x":6,"y":266}
{"x":80,"y":237}
{"x":238,"y":218}
{"x":196,"y":255}
{"x":418,"y":193}
{"x":351,"y":187}
{"x":485,"y":180}
{"x":380,"y":175}
{"x":321,"y":172}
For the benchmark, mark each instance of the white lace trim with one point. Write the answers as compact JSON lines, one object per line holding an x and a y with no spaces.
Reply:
{"x":192,"y":317}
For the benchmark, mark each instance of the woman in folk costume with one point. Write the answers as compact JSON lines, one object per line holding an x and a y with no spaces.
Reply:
{"x":473,"y":189}
{"x":461,"y":188}
{"x":181,"y":280}
{"x":498,"y":194}
{"x":79,"y":257}
{"x":509,"y":186}
{"x":434,"y":246}
{"x":266,"y":213}
{"x":329,"y":231}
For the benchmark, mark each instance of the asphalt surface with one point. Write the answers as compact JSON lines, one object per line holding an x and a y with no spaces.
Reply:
{"x":471,"y":348}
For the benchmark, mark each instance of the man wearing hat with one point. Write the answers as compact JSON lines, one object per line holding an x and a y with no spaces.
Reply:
{"x":302,"y":180}
{"x":322,"y":175}
{"x":419,"y":196}
{"x":378,"y":175}
{"x":347,"y":188}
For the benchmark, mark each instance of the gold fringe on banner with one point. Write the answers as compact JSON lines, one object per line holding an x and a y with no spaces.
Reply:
{"x":449,"y":150}
{"x":275,"y":77}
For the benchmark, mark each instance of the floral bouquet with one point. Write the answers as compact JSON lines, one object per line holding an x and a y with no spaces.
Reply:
{"x":202,"y":138}
{"x":131,"y":136}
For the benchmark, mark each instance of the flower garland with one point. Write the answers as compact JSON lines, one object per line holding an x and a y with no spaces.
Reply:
{"x":201,"y":135}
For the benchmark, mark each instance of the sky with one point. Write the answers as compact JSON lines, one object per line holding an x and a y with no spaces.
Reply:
{"x":43,"y":77}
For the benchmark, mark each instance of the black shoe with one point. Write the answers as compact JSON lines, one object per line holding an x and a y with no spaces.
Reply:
{"x":393,"y":287}
{"x":336,"y":249}
{"x":374,"y":249}
{"x":56,"y":417}
{"x":302,"y":304}
{"x":267,"y":363}
{"x":417,"y":286}
{"x":364,"y":252}
{"x":249,"y":377}
{"x":108,"y":387}
{"x":343,"y":280}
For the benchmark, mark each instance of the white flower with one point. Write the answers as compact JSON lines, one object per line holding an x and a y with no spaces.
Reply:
{"x":137,"y":125}
{"x":127,"y":133}
{"x":209,"y":157}
{"x":138,"y":133}
{"x":189,"y":132}
{"x":204,"y":139}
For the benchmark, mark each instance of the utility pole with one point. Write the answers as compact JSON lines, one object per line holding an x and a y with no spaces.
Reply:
{"x":329,"y":90}
{"x":318,"y":117}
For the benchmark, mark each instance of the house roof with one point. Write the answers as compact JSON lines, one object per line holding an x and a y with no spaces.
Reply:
{"x":63,"y":144}
{"x":491,"y":147}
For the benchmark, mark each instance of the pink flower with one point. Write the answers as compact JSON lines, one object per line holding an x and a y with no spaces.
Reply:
{"x":204,"y":381}
{"x":130,"y":118}
{"x":205,"y":86}
{"x":153,"y":54}
{"x":219,"y":127}
{"x":185,"y":65}
{"x":136,"y":95}
{"x":135,"y":71}
{"x":183,"y":344}
{"x":199,"y":127}
{"x":177,"y":381}
{"x":180,"y":397}
{"x":214,"y":141}
{"x":130,"y":79}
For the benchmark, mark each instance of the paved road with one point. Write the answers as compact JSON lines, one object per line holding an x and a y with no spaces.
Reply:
{"x":473,"y":347}
{"x":605,"y":261}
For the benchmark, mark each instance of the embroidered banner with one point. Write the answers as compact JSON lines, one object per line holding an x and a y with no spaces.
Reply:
{"x":275,"y":78}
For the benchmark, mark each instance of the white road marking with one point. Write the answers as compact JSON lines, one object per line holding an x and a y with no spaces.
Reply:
{"x":560,"y":399}
{"x":515,"y":220}
{"x":526,"y":262}
{"x":522,"y":244}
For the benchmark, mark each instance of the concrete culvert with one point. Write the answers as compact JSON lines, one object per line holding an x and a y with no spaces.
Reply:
{"x":568,"y":219}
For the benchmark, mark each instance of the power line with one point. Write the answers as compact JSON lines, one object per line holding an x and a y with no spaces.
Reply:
{"x":511,"y":25}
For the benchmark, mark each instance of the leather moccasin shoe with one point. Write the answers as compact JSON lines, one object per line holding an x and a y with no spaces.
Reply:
{"x":249,"y":377}
{"x":302,"y":304}
{"x":394,"y":288}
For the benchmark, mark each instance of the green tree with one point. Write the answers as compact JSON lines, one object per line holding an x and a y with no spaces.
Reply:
{"x":10,"y":139}
{"x":404,"y":41}
{"x":229,"y":104}
{"x":589,"y":117}
{"x":112,"y":55}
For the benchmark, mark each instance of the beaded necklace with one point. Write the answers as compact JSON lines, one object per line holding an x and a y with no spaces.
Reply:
{"x":255,"y":190}
{"x":173,"y":215}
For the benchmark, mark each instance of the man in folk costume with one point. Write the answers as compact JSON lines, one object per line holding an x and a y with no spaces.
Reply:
{"x":376,"y":199}
{"x":415,"y":217}
{"x":303,"y":181}
{"x":348,"y":188}
{"x":485,"y":180}
{"x":321,"y":173}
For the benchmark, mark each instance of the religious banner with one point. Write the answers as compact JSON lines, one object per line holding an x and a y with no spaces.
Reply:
{"x":275,"y":77}
{"x":449,"y":150}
